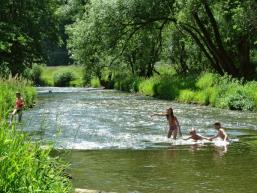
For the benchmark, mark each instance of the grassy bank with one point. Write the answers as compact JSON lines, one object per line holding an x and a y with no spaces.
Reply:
{"x":49,"y":72}
{"x":204,"y":89}
{"x":8,"y":88}
{"x":24,"y":166}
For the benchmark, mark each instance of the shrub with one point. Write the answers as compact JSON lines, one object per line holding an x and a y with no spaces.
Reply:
{"x":95,"y":82}
{"x":63,"y":79}
{"x":207,"y":80}
{"x":36,"y":72}
{"x":240,"y":101}
{"x":166,"y":89}
{"x":214,"y":93}
{"x":124,"y":81}
{"x":148,"y":86}
{"x":186,"y":96}
{"x":201,"y":97}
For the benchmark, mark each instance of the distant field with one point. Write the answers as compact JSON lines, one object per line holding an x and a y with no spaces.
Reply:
{"x":49,"y":71}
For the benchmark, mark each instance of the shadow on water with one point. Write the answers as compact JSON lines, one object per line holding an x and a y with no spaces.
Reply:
{"x":114,"y":145}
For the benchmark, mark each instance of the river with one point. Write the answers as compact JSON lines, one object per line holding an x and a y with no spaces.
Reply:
{"x":114,"y":145}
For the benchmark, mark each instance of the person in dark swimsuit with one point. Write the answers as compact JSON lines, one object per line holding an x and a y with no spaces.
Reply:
{"x":174,"y":127}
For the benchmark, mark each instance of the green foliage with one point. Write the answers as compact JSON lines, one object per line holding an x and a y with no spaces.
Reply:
{"x":8,"y":88}
{"x":25,"y":26}
{"x":148,"y":86}
{"x":125,"y":82}
{"x":207,"y":80}
{"x":194,"y":36}
{"x":34,"y":74}
{"x":25,"y":167}
{"x":186,"y":96}
{"x":95,"y":82}
{"x":108,"y":35}
{"x":222,"y":92}
{"x":63,"y":79}
{"x":48,"y":73}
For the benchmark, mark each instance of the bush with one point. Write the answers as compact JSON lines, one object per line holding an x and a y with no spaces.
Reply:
{"x":95,"y":82}
{"x":240,"y":101}
{"x":124,"y":81}
{"x":148,"y":86}
{"x":186,"y":96}
{"x":207,"y":80}
{"x":201,"y":97}
{"x":63,"y":79}
{"x":34,"y":74}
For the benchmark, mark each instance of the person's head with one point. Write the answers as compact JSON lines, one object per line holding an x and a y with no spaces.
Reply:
{"x":170,"y":111}
{"x":18,"y":94}
{"x":192,"y":132}
{"x":217,"y":125}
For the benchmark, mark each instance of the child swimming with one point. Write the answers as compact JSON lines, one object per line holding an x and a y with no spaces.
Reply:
{"x":174,"y":126}
{"x":195,"y":136}
{"x":221,"y":132}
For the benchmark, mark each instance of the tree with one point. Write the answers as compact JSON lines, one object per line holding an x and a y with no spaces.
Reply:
{"x":220,"y":33}
{"x":24,"y":25}
{"x":120,"y":30}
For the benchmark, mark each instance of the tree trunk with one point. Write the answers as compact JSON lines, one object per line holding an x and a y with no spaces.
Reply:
{"x":246,"y":69}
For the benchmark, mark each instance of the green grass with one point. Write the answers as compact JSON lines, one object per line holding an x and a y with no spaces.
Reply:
{"x":48,"y":73}
{"x":24,"y":166}
{"x":95,"y":82}
{"x":204,"y":89}
{"x":8,"y":88}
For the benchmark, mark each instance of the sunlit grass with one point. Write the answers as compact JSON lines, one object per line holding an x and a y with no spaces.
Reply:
{"x":48,"y":73}
{"x":24,"y":166}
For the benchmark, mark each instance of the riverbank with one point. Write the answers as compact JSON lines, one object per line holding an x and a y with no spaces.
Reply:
{"x":49,"y":72}
{"x":25,"y":167}
{"x":204,"y":89}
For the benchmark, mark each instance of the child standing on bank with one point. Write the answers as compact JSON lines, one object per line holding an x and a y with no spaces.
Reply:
{"x":19,"y":104}
{"x":174,"y":126}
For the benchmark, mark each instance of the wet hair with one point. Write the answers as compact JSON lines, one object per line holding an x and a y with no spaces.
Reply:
{"x":192,"y":131}
{"x":171,"y":113}
{"x":217,"y":124}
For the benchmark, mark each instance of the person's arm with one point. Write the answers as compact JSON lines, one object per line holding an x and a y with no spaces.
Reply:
{"x":211,"y":138}
{"x":180,"y":133}
{"x":203,"y":137}
{"x":158,"y":114}
{"x":188,"y":138}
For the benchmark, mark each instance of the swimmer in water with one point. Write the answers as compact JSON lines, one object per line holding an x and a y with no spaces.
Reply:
{"x":195,"y":136}
{"x":221,"y":132}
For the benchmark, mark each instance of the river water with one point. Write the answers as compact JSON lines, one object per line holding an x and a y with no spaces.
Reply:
{"x":114,"y":145}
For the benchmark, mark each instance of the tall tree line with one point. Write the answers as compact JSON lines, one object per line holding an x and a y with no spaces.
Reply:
{"x":196,"y":35}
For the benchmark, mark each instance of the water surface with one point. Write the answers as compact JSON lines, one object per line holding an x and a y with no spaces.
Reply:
{"x":114,"y":145}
